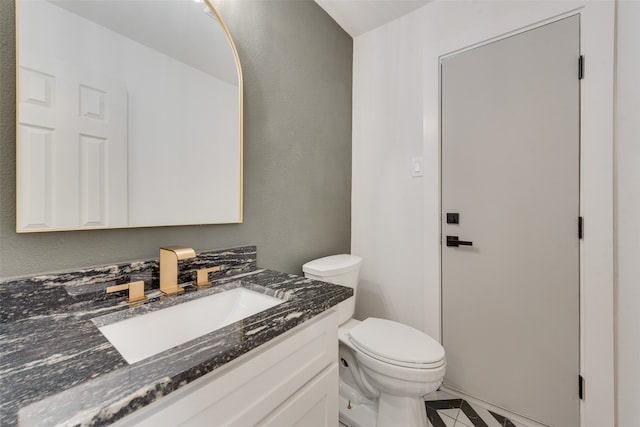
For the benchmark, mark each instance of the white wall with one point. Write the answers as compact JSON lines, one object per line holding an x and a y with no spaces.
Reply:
{"x":388,"y":213}
{"x":395,"y":218}
{"x":159,"y":109}
{"x":628,"y":211}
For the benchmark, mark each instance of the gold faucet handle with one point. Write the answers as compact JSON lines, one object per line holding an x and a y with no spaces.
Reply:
{"x":203,"y":276}
{"x":136,"y":290}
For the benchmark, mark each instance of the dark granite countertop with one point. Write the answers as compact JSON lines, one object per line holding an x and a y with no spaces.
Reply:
{"x":56,"y":368}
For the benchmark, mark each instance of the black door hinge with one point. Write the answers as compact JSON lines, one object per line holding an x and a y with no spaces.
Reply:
{"x":581,"y":67}
{"x":580,"y":227}
{"x":581,"y":387}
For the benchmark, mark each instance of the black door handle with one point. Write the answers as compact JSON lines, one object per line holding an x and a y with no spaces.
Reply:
{"x":453,"y":241}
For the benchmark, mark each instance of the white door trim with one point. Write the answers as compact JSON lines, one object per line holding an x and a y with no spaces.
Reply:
{"x":492,"y":19}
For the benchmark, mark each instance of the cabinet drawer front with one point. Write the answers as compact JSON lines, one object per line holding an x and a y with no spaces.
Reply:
{"x":247,"y":390}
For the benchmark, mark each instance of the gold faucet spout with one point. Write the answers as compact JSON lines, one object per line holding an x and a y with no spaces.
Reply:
{"x":169,"y":256}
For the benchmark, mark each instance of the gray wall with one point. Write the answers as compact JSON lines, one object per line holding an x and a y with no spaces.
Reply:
{"x":297,"y":151}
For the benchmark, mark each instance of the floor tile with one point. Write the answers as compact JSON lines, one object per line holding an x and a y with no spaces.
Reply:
{"x":463,"y":419}
{"x":444,"y":404}
{"x":471,"y":415}
{"x":448,"y":421}
{"x":434,"y":418}
{"x":485,"y":416}
{"x":451,"y":411}
{"x":504,"y":420}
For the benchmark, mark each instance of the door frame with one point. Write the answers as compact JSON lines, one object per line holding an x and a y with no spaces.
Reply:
{"x":489,"y":21}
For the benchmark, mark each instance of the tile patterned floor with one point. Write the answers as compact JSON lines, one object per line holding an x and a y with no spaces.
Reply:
{"x":444,"y":410}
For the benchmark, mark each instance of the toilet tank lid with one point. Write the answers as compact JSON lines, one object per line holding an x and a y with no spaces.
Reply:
{"x":332,"y":265}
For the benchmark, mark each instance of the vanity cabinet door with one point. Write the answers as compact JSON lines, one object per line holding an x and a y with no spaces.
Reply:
{"x":315,"y":405}
{"x":249,"y":390}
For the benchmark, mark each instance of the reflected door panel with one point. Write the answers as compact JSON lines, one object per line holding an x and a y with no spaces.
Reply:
{"x":73,"y":152}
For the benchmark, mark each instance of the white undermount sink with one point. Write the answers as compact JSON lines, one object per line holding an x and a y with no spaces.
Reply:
{"x":148,"y":334}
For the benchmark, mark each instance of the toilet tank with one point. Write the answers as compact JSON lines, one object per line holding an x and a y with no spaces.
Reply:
{"x":339,"y":269}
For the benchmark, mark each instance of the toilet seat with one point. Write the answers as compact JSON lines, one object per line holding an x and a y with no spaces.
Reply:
{"x":397,"y":344}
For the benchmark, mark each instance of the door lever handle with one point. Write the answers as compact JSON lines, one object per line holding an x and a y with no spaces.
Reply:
{"x":453,"y":241}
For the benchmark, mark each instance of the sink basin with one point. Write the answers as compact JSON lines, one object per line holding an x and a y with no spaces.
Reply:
{"x":139,"y":337}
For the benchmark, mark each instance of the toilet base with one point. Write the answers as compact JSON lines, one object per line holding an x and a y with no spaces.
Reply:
{"x":396,"y":411}
{"x":359,"y":415}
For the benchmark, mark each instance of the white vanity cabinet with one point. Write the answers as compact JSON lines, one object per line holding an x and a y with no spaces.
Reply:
{"x":291,"y":380}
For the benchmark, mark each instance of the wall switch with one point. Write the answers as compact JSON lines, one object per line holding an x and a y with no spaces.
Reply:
{"x":416,"y":166}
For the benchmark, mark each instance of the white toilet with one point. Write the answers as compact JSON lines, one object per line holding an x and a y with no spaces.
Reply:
{"x":385,"y":367}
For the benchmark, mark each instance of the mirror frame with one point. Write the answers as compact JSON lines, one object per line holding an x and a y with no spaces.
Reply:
{"x":236,"y":57}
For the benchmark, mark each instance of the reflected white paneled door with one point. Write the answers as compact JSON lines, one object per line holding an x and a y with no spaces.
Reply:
{"x":72,"y":154}
{"x":510,"y":170}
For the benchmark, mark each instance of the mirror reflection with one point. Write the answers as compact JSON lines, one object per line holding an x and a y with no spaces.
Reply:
{"x":129,"y":115}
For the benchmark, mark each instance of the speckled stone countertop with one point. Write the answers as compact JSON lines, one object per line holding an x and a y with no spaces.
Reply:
{"x":56,"y":368}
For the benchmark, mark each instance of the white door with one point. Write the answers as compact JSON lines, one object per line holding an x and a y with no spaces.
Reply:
{"x":510,"y":171}
{"x":72,"y":146}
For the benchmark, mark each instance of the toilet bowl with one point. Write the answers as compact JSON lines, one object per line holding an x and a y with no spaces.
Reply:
{"x":385,"y":367}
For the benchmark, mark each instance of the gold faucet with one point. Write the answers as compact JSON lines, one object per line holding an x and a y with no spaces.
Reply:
{"x":169,"y":257}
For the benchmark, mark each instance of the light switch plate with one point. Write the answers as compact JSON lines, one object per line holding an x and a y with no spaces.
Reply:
{"x":416,"y":166}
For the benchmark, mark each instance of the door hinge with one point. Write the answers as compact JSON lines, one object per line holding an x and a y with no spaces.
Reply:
{"x":581,"y":387}
{"x":581,"y":67}
{"x":580,"y":227}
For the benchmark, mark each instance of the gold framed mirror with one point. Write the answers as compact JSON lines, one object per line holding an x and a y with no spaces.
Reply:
{"x":129,"y":114}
